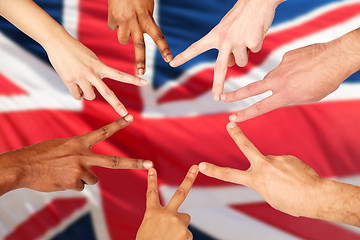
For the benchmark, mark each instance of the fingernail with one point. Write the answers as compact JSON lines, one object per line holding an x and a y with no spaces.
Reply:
{"x":123,"y":112}
{"x":232,"y":117}
{"x":202,"y":166}
{"x":168,"y":58}
{"x":231,"y":125}
{"x":216,"y":96}
{"x":129,"y":118}
{"x":172,"y":63}
{"x":141,"y":71}
{"x":193,"y":169}
{"x":147,"y":164}
{"x":143,"y":81}
{"x":152,"y":171}
{"x":223,"y":97}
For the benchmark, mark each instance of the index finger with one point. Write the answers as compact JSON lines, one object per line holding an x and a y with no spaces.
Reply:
{"x":183,"y":190}
{"x":247,"y":147}
{"x":110,"y":97}
{"x":160,"y":41}
{"x":103,"y":133}
{"x":194,"y":50}
{"x":116,"y":162}
{"x":220,"y":70}
{"x":152,"y":194}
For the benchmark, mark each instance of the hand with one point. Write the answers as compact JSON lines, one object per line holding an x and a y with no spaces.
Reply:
{"x":166,"y":222}
{"x":81,"y":70}
{"x":242,"y":29}
{"x":285,"y":182}
{"x":134,"y":17}
{"x":61,"y":164}
{"x":304,"y":75}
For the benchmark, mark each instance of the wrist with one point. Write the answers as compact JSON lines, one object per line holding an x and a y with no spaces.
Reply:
{"x":54,"y":39}
{"x":347,"y":49}
{"x":10,"y":174}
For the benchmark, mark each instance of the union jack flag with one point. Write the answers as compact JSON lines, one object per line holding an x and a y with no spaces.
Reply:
{"x":176,"y":124}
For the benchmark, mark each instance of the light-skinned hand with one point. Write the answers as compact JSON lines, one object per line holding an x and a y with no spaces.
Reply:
{"x":305,"y":75}
{"x":289,"y":185}
{"x":81,"y":70}
{"x":242,"y":29}
{"x":164,"y":223}
{"x":134,"y":18}
{"x":61,"y":164}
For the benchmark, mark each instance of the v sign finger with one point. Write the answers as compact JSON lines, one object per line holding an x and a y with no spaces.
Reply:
{"x":247,"y":147}
{"x":114,"y":74}
{"x":184,"y":188}
{"x":103,"y":133}
{"x":152,"y":194}
{"x":224,"y":173}
{"x":194,"y":50}
{"x":220,"y":71}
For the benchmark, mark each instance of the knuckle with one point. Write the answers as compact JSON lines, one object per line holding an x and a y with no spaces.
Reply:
{"x":226,"y":173}
{"x":189,"y":235}
{"x":188,"y":217}
{"x":159,"y":36}
{"x":115,"y":161}
{"x":259,"y":106}
{"x":104,"y":131}
{"x":118,"y":105}
{"x":152,"y":192}
{"x":94,"y":180}
{"x":76,"y":95}
{"x":136,"y":163}
{"x":174,"y":219}
{"x":140,"y":44}
{"x":140,"y":63}
{"x":242,"y":62}
{"x":108,"y":92}
{"x":181,"y":192}
{"x":165,"y":50}
{"x":251,"y":87}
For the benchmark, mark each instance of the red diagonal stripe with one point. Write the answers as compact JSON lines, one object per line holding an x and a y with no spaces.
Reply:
{"x":304,"y":228}
{"x":201,"y":82}
{"x":8,"y":87}
{"x":45,"y":219}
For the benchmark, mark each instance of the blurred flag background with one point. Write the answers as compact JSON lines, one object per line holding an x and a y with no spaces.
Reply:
{"x":177,"y":124}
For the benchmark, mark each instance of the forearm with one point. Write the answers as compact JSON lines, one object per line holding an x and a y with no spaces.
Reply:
{"x":347,"y":51}
{"x":337,"y":202}
{"x":32,"y":20}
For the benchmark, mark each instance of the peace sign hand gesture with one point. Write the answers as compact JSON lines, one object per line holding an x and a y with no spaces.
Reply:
{"x":61,"y":164}
{"x":285,"y":182}
{"x":166,"y":222}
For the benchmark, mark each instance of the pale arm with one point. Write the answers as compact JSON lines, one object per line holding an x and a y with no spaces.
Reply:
{"x":78,"y":66}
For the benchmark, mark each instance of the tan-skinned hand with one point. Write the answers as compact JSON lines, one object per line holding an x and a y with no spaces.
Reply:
{"x":242,"y":29}
{"x":164,"y":223}
{"x":134,"y":18}
{"x":61,"y":164}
